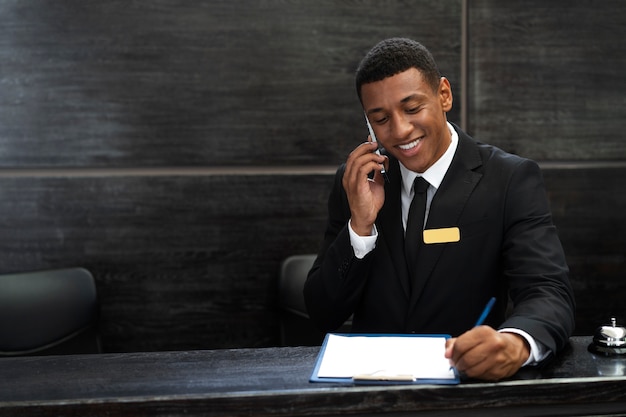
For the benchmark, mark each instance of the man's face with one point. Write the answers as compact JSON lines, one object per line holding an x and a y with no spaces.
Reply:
{"x":409,"y":118}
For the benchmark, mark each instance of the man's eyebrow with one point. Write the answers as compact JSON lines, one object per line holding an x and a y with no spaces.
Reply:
{"x":376,"y":110}
{"x":416,"y":96}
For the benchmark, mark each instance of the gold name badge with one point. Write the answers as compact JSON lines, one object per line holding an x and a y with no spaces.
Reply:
{"x":445,"y":235}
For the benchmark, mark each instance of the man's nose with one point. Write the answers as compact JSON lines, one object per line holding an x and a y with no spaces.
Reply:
{"x":401,"y":126}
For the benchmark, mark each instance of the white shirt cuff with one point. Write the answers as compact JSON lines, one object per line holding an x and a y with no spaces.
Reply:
{"x":362,"y":245}
{"x":538,"y":351}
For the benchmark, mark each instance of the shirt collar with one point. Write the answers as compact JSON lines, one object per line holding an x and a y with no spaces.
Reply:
{"x":434,"y":175}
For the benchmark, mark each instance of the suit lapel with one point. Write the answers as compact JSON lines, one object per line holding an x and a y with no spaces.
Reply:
{"x":446,"y":208}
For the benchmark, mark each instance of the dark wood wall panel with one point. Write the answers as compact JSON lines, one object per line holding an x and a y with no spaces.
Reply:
{"x":191,"y":262}
{"x":548,"y":78}
{"x":202,"y":83}
{"x":100,"y":99}
{"x":588,"y":210}
{"x":92,"y":89}
{"x":180,"y":261}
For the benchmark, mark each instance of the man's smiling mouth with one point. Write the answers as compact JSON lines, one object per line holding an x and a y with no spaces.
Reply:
{"x":410,"y":145}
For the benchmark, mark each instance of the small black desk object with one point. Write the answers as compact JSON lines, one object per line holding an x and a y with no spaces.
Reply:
{"x":274,"y":382}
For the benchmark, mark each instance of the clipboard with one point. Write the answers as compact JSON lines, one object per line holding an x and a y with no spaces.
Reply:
{"x":382,"y":359}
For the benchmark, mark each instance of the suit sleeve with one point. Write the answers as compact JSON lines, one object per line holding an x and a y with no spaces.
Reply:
{"x":534,"y":262}
{"x":337,"y":277}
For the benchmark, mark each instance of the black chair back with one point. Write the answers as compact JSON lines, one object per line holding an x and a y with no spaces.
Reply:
{"x":48,"y":312}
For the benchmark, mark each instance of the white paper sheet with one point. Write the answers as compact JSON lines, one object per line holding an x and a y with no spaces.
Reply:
{"x":420,"y":357}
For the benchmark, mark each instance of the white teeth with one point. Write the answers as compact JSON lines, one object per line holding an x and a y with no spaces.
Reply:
{"x":409,"y":145}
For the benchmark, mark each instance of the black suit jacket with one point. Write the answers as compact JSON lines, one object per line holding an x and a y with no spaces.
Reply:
{"x":509,"y":248}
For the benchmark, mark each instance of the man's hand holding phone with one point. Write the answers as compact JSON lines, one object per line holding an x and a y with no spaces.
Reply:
{"x":365,"y":195}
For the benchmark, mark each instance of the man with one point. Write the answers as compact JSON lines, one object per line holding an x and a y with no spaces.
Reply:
{"x":487,"y":215}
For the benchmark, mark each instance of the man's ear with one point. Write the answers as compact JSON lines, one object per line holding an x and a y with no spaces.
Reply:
{"x":445,"y":94}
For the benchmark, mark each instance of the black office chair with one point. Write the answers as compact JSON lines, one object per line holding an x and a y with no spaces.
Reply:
{"x":296,"y":328}
{"x":48,"y":312}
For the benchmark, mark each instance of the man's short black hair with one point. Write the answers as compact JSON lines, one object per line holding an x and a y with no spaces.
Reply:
{"x":393,"y":56}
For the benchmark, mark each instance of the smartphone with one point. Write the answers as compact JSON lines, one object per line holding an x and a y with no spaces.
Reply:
{"x":373,"y":136}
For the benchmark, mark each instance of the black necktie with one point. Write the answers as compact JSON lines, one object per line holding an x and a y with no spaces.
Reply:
{"x":415,"y":222}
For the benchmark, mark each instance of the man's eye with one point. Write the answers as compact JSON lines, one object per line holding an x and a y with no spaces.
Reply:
{"x":380,"y":120}
{"x":413,"y":110}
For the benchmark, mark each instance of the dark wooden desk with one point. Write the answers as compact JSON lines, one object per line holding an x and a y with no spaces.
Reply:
{"x":274,"y":382}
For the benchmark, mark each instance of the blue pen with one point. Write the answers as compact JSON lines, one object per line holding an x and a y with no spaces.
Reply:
{"x":485,"y":312}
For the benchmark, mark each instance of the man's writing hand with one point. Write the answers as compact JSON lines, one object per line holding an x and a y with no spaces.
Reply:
{"x":365,"y":196}
{"x":486,"y":354}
